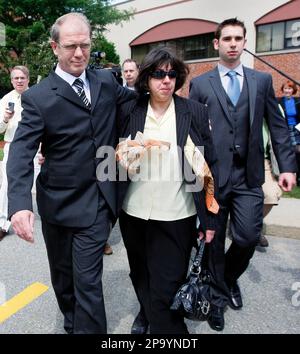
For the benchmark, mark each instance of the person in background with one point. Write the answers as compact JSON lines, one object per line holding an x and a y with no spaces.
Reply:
{"x":10,"y":115}
{"x":238,"y":100}
{"x":291,"y":107}
{"x":158,"y":216}
{"x":72,"y":112}
{"x":272,"y":191}
{"x":130,"y":72}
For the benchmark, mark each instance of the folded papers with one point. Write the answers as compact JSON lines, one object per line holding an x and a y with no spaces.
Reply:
{"x":129,"y":153}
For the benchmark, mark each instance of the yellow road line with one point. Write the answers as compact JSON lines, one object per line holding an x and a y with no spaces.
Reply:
{"x":19,"y":301}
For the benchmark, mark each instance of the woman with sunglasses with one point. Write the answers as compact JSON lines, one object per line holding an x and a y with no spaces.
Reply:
{"x":160,"y":204}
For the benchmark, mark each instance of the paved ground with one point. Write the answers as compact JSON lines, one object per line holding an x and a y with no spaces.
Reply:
{"x":270,"y":303}
{"x":284,"y":219}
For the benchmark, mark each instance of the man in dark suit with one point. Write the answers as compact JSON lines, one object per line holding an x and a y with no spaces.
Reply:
{"x":238,"y":99}
{"x":72,"y":113}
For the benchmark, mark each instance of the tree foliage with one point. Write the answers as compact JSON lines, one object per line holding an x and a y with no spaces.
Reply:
{"x":27,"y":24}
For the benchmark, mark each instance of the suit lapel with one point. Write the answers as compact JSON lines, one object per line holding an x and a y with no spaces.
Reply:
{"x":252,"y":90}
{"x":183,"y":120}
{"x":95,"y":86}
{"x":64,"y":90}
{"x":138,"y":117}
{"x":216,"y":84}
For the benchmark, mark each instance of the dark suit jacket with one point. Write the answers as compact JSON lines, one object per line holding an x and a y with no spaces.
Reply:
{"x":208,"y":89}
{"x":67,"y":187}
{"x":191,"y":119}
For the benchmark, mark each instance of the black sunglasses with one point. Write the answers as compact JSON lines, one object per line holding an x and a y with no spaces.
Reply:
{"x":161,"y":74}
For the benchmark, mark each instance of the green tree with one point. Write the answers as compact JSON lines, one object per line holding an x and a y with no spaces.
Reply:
{"x":27,"y":24}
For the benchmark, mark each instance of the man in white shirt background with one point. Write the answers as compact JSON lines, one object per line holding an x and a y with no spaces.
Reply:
{"x":10,"y":113}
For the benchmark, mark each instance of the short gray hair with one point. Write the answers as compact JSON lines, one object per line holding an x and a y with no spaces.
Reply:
{"x":22,"y":68}
{"x":54,"y":31}
{"x":129,"y":60}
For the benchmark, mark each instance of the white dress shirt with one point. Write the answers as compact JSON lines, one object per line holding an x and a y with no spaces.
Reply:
{"x":225,"y":79}
{"x":70,"y":80}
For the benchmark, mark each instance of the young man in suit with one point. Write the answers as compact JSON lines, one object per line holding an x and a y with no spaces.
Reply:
{"x":238,"y":98}
{"x":72,"y":113}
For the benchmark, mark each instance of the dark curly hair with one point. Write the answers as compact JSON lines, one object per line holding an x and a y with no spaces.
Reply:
{"x":155,"y":59}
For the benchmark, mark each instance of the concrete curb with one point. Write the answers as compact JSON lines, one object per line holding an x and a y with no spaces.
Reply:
{"x":282,"y":231}
{"x":284,"y":220}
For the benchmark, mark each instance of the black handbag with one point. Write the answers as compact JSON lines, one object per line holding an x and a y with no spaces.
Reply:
{"x":191,"y":300}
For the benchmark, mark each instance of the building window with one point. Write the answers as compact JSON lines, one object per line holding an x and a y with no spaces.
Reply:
{"x":278,"y":36}
{"x":188,"y":48}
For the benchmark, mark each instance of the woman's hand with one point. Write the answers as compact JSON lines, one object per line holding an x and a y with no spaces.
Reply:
{"x":209,"y":235}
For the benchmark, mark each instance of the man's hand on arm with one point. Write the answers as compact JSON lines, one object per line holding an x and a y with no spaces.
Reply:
{"x":22,"y":222}
{"x":287,"y":181}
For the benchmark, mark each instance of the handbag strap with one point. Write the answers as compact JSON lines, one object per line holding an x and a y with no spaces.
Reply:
{"x":196,"y":266}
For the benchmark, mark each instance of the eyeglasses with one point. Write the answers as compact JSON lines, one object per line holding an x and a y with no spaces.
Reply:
{"x":161,"y":74}
{"x":73,"y":47}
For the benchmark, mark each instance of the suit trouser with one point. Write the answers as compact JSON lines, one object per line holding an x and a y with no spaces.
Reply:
{"x":245,"y":207}
{"x":158,"y":254}
{"x":76,"y":264}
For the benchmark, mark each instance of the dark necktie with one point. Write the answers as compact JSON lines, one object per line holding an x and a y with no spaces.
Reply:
{"x":78,"y":83}
{"x":233,"y":90}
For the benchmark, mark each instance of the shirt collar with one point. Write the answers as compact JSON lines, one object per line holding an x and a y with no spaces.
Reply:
{"x":168,"y":113}
{"x":223,"y":70}
{"x":17,"y":94}
{"x":70,"y":78}
{"x":132,"y":88}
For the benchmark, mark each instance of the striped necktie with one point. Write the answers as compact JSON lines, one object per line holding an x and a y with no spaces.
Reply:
{"x":78,"y":83}
{"x":233,"y":90}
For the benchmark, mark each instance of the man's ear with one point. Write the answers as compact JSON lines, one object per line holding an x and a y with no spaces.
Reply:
{"x":216,"y":44}
{"x":54,"y":47}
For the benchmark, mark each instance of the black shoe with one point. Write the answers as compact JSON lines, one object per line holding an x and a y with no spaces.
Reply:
{"x":263,"y":242}
{"x":235,"y":299}
{"x":140,"y":324}
{"x":216,"y":318}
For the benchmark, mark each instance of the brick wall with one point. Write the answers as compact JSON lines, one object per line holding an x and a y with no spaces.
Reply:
{"x":195,"y":70}
{"x":289,"y":63}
